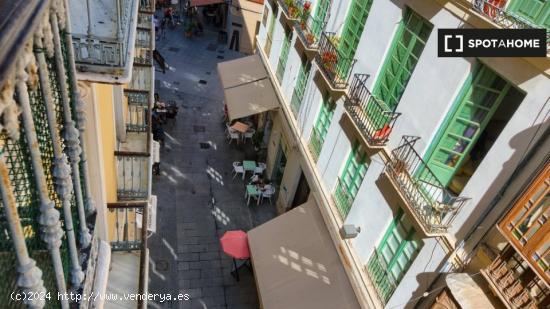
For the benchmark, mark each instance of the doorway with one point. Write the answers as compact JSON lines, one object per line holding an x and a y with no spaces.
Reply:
{"x":279,"y":167}
{"x":302,"y":192}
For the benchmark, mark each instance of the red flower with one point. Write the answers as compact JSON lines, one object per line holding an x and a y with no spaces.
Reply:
{"x":307,"y":5}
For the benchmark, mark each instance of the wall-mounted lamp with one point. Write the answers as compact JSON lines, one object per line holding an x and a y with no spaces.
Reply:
{"x":349,"y":231}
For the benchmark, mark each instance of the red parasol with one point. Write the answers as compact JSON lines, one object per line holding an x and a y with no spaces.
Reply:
{"x":235,"y":244}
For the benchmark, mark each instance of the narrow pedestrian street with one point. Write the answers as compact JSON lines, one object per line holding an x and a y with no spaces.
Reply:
{"x":197,"y":198}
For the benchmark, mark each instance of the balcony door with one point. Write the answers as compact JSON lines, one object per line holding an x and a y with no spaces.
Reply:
{"x":456,"y":144}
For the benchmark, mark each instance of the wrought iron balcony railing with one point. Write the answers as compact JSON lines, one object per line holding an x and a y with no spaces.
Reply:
{"x":292,"y":9}
{"x":137,"y":115}
{"x":133,"y":175}
{"x":495,"y":11}
{"x":129,"y":221}
{"x":102,"y":45}
{"x":430,"y":204}
{"x":342,"y":198}
{"x":147,"y":6}
{"x":515,"y":283}
{"x":336,"y":68}
{"x":382,"y":280}
{"x":47,"y":221}
{"x":306,"y":33}
{"x":145,"y":21}
{"x":131,"y":226}
{"x":372,"y":116}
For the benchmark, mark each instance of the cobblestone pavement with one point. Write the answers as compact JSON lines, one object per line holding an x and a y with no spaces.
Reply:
{"x":185,"y":252}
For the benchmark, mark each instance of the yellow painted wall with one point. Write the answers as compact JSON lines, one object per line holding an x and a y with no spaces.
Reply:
{"x":248,"y":16}
{"x":104,"y":97}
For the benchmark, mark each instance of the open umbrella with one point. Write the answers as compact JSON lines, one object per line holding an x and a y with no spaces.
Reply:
{"x":235,"y":244}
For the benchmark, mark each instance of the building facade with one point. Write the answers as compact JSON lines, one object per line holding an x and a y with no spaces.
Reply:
{"x":414,"y":149}
{"x":77,"y":90}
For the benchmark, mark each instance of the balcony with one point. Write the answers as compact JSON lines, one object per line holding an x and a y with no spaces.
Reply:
{"x":103,"y":33}
{"x":515,"y":283}
{"x":130,"y":256}
{"x":292,"y":10}
{"x":147,"y":6}
{"x":133,"y":175}
{"x":495,"y":12}
{"x":334,"y":67}
{"x":307,"y":36}
{"x":372,"y":118}
{"x":138,"y":111}
{"x":422,"y":196}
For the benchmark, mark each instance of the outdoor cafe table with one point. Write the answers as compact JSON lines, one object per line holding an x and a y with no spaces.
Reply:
{"x":249,"y":166}
{"x":252,"y":190}
{"x":240,"y":127}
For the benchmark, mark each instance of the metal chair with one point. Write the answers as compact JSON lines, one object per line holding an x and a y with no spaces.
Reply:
{"x":248,"y":135}
{"x":267,"y":193}
{"x":260,"y":168}
{"x":238,"y":169}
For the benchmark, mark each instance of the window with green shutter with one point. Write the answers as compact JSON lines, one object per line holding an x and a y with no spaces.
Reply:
{"x":320,"y":128}
{"x":351,"y":178}
{"x":393,"y":256}
{"x":270,"y":30}
{"x":353,"y":28}
{"x":281,"y":66}
{"x":299,"y":89}
{"x":319,"y":17}
{"x":407,"y":46}
{"x":480,"y":97}
{"x":535,"y":12}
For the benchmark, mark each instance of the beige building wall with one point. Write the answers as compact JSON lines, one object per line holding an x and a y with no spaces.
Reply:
{"x":248,"y":15}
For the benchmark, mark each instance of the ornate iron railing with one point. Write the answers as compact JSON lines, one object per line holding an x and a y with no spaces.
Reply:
{"x":335,"y":66}
{"x":495,"y":11}
{"x":137,"y":116}
{"x":305,"y":31}
{"x":342,"y":198}
{"x":147,"y":6}
{"x":382,"y":280}
{"x":516,"y":283}
{"x":128,"y":225}
{"x":371,"y":115}
{"x":45,"y":201}
{"x":432,"y":204}
{"x":292,"y":9}
{"x":132,"y":175}
{"x":94,"y":53}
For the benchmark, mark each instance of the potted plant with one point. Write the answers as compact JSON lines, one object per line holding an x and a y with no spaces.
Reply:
{"x":188,"y":30}
{"x":310,"y":38}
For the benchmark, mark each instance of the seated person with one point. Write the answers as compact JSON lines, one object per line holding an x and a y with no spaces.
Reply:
{"x":266,"y":187}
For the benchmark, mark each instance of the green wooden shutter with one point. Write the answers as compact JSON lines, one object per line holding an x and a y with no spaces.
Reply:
{"x":319,"y":17}
{"x":351,"y":178}
{"x":353,"y":28}
{"x":477,"y":104}
{"x":299,"y":89}
{"x":533,"y":11}
{"x":322,"y":123}
{"x":406,"y":48}
{"x":394,"y":255}
{"x":281,"y":66}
